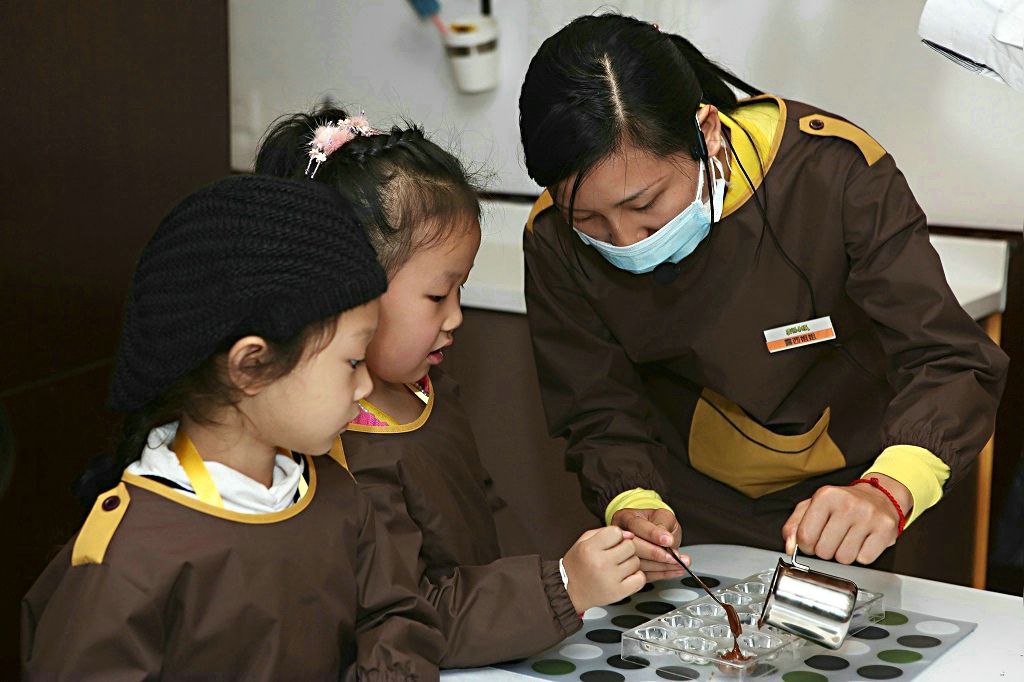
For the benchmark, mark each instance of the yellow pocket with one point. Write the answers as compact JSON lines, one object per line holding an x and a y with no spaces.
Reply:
{"x":730,"y":447}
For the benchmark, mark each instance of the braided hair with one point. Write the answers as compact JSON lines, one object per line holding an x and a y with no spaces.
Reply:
{"x":410,"y":192}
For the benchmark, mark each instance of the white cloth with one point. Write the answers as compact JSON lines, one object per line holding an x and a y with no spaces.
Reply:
{"x":987,"y":32}
{"x":239,"y":492}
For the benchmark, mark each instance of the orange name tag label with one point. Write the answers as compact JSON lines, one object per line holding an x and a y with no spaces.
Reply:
{"x":799,"y":334}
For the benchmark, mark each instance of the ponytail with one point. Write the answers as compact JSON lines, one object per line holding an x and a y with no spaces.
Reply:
{"x":714,"y":80}
{"x":105,"y":470}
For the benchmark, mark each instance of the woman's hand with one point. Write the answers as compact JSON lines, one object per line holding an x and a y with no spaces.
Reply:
{"x":653,"y":529}
{"x":848,"y":523}
{"x":602,"y":567}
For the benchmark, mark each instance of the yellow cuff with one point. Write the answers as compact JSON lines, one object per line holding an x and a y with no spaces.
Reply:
{"x":922,"y":472}
{"x":637,"y":498}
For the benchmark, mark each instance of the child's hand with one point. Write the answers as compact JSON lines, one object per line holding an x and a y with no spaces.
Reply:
{"x":602,"y":568}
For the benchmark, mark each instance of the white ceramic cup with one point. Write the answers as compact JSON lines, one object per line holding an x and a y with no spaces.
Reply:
{"x":472,"y":47}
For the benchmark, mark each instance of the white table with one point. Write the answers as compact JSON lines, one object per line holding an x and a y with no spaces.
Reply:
{"x":994,"y":651}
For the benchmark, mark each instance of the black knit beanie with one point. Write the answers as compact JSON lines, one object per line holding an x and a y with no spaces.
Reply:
{"x":246,"y":255}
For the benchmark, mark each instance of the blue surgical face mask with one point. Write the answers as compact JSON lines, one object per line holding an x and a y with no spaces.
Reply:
{"x":677,"y":239}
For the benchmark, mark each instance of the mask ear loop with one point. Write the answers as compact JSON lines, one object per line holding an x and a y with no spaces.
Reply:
{"x":702,"y":145}
{"x":702,"y":153}
{"x":667,"y":272}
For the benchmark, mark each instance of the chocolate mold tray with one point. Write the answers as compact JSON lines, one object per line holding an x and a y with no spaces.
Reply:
{"x":699,"y":634}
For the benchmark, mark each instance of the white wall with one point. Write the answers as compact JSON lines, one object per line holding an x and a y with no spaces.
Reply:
{"x":958,"y":137}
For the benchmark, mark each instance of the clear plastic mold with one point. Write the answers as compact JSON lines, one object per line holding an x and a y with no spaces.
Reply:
{"x":698,"y":633}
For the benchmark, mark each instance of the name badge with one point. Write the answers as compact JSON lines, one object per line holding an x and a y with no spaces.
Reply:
{"x":799,"y":334}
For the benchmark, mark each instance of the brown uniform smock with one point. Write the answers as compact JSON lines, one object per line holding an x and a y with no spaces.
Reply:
{"x":654,"y":383}
{"x":428,"y":485}
{"x":313,"y":592}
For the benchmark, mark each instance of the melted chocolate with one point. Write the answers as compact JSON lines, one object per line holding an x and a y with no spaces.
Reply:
{"x":737,"y":630}
{"x":735,"y":654}
{"x":734,"y":620}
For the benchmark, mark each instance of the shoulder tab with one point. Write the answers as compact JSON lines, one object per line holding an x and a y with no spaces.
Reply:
{"x":542,"y":204}
{"x":337,"y":453}
{"x":100,"y":525}
{"x":826,"y":126}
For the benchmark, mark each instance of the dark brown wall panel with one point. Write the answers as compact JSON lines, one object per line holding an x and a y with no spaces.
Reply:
{"x":111,"y":112}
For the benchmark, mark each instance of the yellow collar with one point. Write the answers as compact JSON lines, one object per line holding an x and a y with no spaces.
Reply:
{"x":199,"y":476}
{"x":195,"y":469}
{"x":392,"y":425}
{"x":764,"y":119}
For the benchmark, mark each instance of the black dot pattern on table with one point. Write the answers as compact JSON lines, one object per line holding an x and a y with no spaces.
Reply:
{"x":634,"y":663}
{"x":647,"y":587}
{"x":918,"y":641}
{"x":708,"y":580}
{"x":601,"y":676}
{"x":879,"y":672}
{"x":895,"y":648}
{"x":622,"y":601}
{"x":825,"y":662}
{"x":605,"y":636}
{"x":628,"y":622}
{"x":677,"y":672}
{"x":654,"y":608}
{"x":872,"y":632}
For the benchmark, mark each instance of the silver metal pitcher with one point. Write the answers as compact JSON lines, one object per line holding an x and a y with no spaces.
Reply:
{"x":809,"y":604}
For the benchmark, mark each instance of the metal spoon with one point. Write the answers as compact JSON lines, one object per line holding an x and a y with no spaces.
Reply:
{"x":730,"y":610}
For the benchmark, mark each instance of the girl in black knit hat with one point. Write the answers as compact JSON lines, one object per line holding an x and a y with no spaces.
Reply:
{"x":411,"y":447}
{"x":220,"y":551}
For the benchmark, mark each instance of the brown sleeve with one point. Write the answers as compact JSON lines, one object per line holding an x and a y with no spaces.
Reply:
{"x":89,"y":621}
{"x":947,"y":373}
{"x":591,"y":391}
{"x":510,"y":608}
{"x":396,"y":630}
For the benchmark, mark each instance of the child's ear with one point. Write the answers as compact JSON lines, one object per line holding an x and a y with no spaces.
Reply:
{"x":245,"y":359}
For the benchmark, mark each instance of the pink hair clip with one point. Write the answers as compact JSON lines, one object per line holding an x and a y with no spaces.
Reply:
{"x":328,"y":138}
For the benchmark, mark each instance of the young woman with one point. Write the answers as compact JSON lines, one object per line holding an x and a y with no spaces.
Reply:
{"x":737,"y":316}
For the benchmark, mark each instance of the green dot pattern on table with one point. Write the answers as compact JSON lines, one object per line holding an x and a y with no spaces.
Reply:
{"x":803,"y":676}
{"x":893,"y":618}
{"x":899,"y":656}
{"x":897,"y":647}
{"x":554,"y":667}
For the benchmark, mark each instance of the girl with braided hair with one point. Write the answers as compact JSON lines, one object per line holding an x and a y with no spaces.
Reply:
{"x":411,"y":449}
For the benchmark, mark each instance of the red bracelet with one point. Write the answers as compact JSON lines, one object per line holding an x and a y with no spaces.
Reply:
{"x":899,"y":510}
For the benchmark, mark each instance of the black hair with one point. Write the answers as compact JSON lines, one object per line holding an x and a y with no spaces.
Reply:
{"x":606,"y":80}
{"x":398,"y":180}
{"x":196,"y":395}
